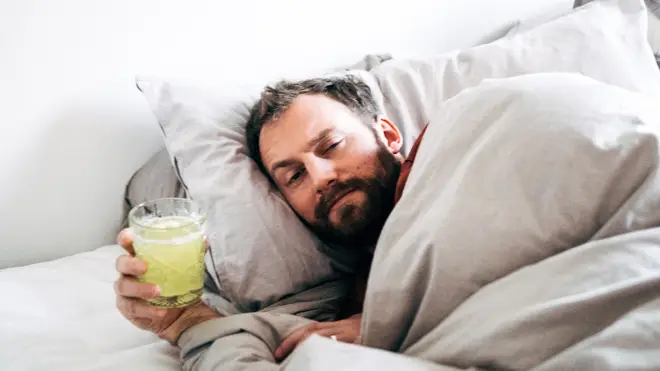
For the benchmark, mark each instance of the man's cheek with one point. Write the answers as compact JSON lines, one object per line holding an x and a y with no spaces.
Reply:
{"x":303,"y":209}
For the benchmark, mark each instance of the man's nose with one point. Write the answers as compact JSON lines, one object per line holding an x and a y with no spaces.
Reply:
{"x":322,"y":173}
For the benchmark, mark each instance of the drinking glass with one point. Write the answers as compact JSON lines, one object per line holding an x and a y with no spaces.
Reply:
{"x":169,"y":237}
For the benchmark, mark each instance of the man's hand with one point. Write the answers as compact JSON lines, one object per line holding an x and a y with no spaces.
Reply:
{"x":347,"y":330}
{"x":167,"y":323}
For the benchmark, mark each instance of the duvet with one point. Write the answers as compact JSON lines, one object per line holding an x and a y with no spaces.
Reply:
{"x":527,"y":238}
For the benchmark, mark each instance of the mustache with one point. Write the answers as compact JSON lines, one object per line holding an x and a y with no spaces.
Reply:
{"x":329,"y":197}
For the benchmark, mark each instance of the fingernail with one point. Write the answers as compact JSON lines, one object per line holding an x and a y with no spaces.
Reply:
{"x":156,"y":290}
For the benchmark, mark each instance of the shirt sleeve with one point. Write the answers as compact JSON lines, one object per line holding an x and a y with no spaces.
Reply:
{"x":406,"y":167}
{"x":247,"y":341}
{"x":240,"y":342}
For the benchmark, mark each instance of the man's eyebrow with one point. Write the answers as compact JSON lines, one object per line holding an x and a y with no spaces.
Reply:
{"x":311,"y":144}
{"x":281,"y":164}
{"x":318,"y":138}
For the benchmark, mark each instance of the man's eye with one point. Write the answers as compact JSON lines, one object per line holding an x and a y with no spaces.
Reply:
{"x":332,"y":146}
{"x":295,"y":176}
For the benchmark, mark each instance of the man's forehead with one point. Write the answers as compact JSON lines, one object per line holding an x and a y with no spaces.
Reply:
{"x":304,"y":118}
{"x":307,"y":117}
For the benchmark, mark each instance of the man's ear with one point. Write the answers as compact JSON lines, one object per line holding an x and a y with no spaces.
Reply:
{"x":390,"y":134}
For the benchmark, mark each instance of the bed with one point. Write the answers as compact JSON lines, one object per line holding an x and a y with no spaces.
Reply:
{"x":100,"y":128}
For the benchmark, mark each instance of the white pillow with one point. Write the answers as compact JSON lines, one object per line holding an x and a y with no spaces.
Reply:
{"x":156,"y":178}
{"x":605,"y":40}
{"x":260,"y":250}
{"x":653,"y":23}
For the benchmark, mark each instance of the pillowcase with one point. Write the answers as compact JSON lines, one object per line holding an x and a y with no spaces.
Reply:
{"x":653,"y":10}
{"x":157,"y":177}
{"x":578,"y":42}
{"x":654,"y":30}
{"x":260,"y":250}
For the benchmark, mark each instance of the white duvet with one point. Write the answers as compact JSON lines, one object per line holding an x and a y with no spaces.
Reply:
{"x":61,"y":315}
{"x":528,"y":233}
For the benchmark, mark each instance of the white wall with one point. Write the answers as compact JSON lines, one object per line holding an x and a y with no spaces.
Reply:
{"x":74,"y":128}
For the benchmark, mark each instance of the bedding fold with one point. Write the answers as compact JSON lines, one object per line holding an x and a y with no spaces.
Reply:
{"x":528,"y":232}
{"x":247,"y":340}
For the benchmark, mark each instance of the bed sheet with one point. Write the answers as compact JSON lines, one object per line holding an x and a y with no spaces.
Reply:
{"x":61,"y":315}
{"x":322,"y":354}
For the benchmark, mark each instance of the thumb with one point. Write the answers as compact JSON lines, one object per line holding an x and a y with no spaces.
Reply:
{"x":125,"y":240}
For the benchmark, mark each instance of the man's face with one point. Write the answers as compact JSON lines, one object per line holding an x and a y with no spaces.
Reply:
{"x":338,"y":173}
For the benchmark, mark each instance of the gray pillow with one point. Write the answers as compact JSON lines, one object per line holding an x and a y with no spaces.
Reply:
{"x":260,"y":250}
{"x":157,"y":177}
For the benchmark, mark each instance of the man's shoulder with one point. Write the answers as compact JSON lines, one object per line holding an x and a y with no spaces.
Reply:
{"x":406,"y":167}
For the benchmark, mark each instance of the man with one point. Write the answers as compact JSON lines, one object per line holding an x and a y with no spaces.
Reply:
{"x":336,"y":161}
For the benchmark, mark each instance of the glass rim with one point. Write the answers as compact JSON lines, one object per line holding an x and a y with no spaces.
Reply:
{"x":132,"y":219}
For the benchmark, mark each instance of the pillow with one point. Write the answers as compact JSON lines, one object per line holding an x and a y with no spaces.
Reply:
{"x":157,"y":177}
{"x":653,"y":10}
{"x":578,"y":42}
{"x":654,"y":30}
{"x":260,"y":250}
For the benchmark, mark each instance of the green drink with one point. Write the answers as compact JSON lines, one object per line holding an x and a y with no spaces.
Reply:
{"x":169,"y":237}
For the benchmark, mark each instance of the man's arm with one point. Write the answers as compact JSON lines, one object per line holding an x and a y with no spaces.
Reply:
{"x":191,"y":316}
{"x":244,"y":341}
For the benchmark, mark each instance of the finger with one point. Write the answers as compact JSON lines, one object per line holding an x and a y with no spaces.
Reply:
{"x":143,"y":323}
{"x":317,"y":326}
{"x":132,"y":288}
{"x":291,"y":341}
{"x":140,"y":311}
{"x":326,"y":333}
{"x":125,"y":240}
{"x":130,"y":266}
{"x":339,"y":335}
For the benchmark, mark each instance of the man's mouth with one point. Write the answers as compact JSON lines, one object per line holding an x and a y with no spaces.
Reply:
{"x":338,"y":197}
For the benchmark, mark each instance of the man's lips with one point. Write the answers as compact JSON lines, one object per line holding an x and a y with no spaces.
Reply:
{"x":338,"y":197}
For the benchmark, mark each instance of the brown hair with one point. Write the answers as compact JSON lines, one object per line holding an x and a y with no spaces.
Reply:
{"x":348,"y":90}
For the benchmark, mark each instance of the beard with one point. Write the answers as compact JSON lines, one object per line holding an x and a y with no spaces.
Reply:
{"x":359,"y":225}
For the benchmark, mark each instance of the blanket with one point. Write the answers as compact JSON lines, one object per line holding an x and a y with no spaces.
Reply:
{"x":527,"y":231}
{"x":527,"y":238}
